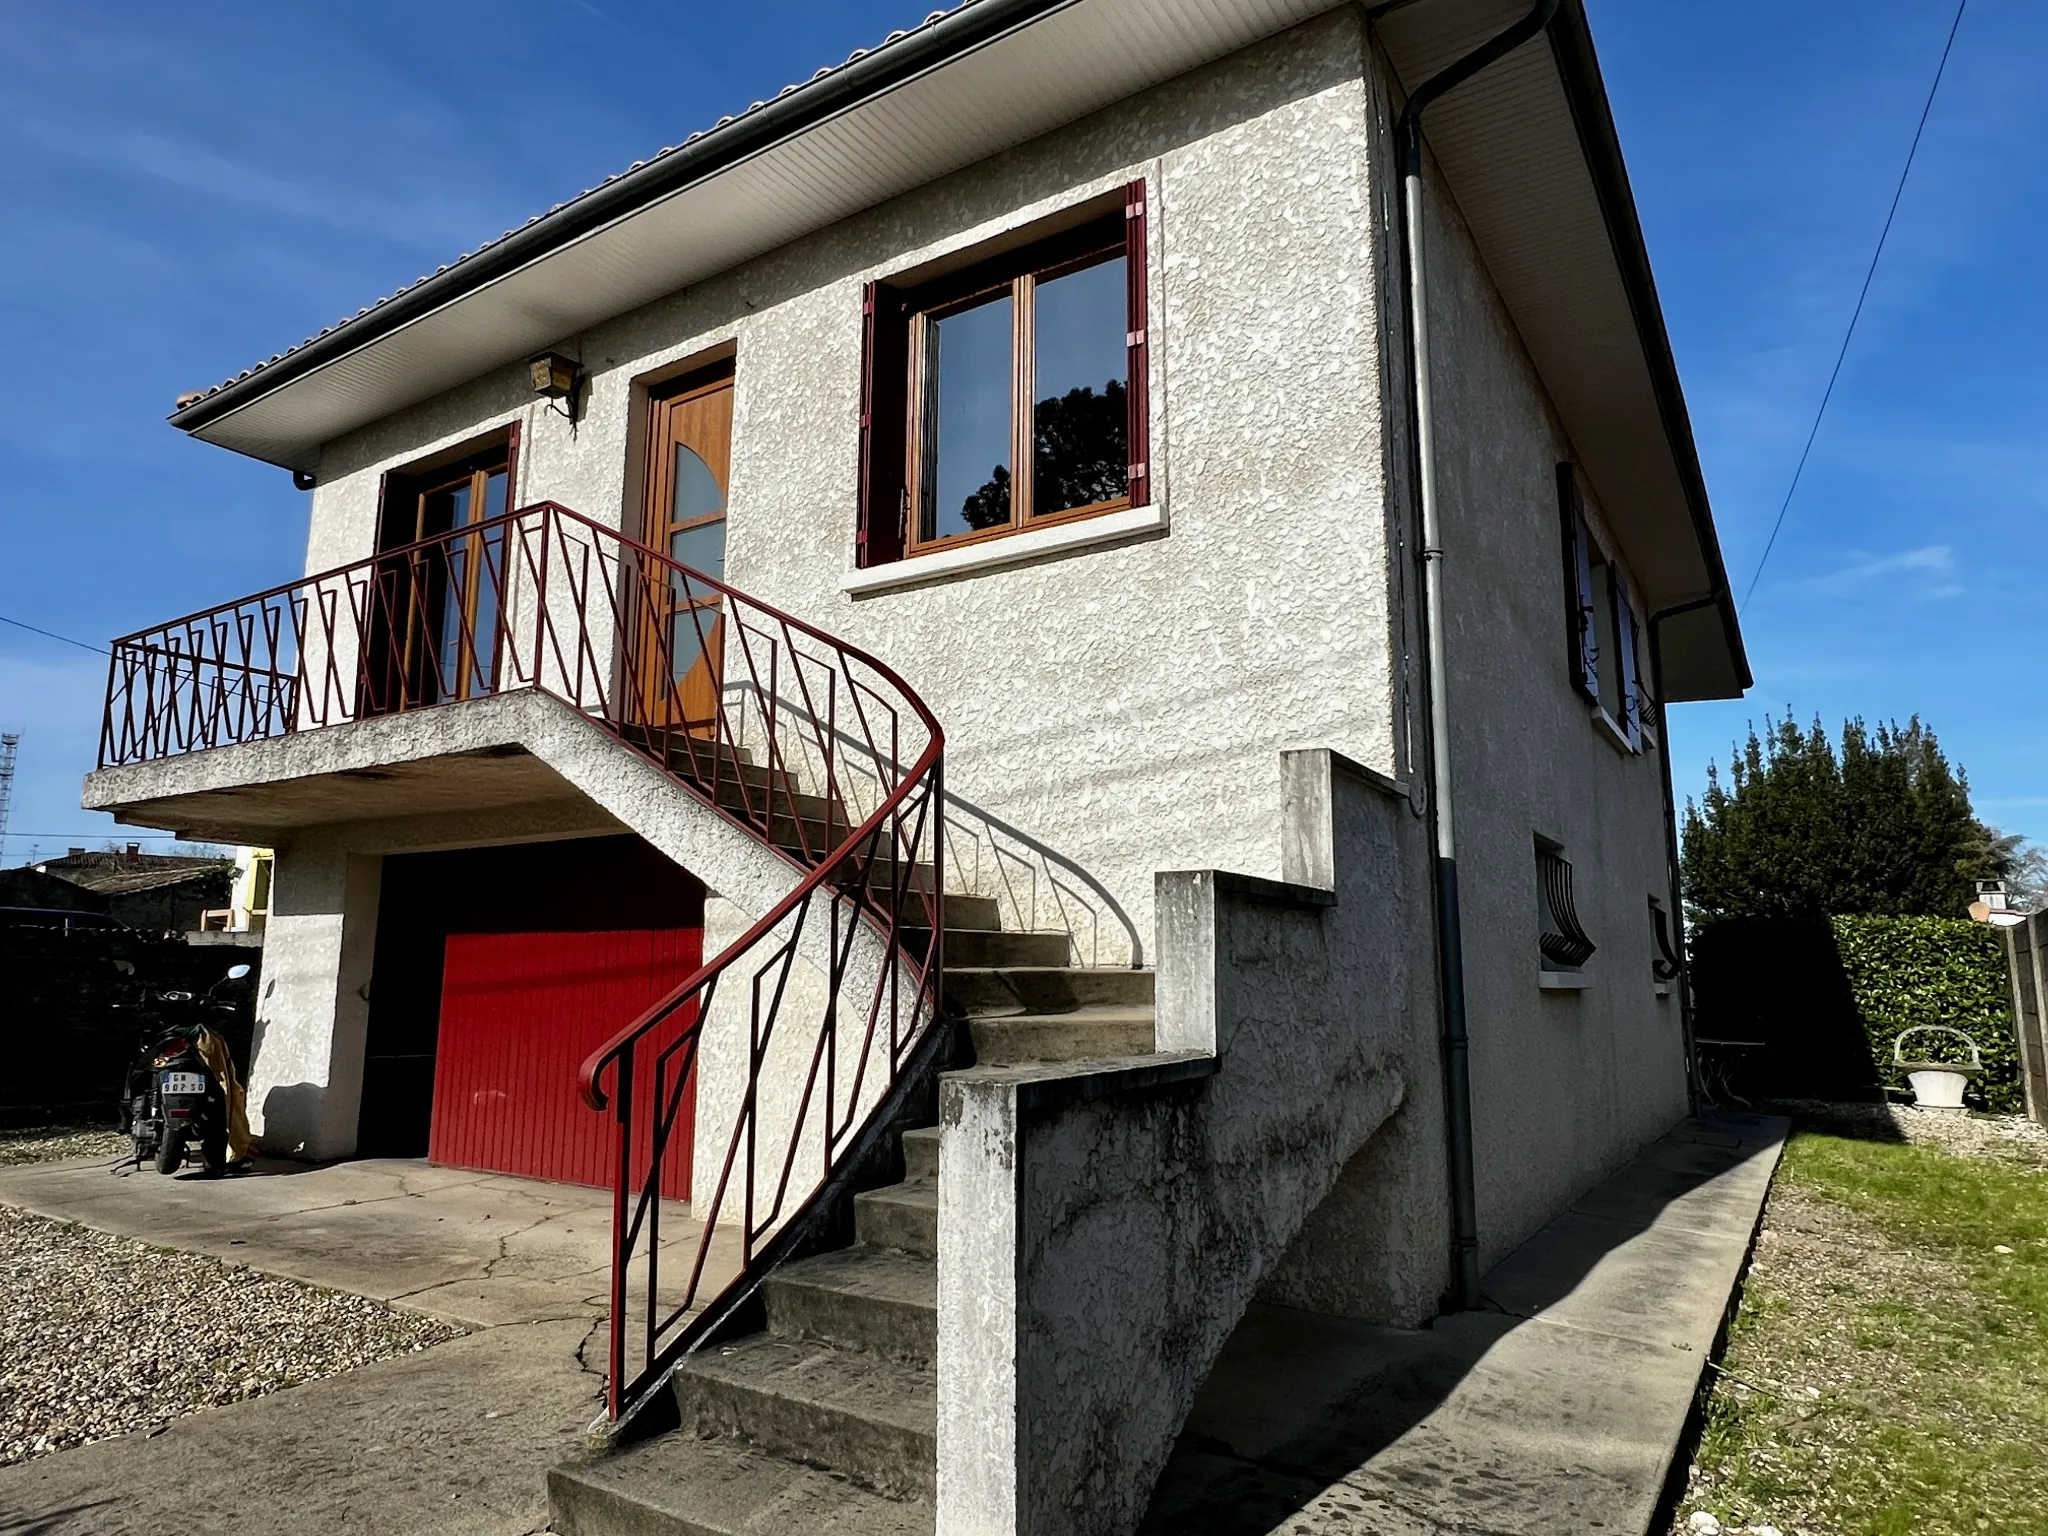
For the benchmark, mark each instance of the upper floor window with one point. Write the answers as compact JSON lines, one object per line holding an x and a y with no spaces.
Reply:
{"x":1010,"y":393}
{"x":1603,"y":629}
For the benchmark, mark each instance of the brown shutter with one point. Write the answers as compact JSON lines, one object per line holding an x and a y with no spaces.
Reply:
{"x":1625,"y":637}
{"x":512,"y":467}
{"x":884,"y":428}
{"x":1580,"y":633}
{"x":1138,"y":387}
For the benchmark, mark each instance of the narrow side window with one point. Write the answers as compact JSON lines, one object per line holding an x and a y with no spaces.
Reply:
{"x":1562,"y":943}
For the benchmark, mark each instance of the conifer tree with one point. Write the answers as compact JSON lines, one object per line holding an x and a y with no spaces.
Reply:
{"x":1883,"y":826}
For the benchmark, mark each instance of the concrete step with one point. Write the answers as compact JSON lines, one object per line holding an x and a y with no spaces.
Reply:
{"x":984,"y":914}
{"x":679,"y":1485}
{"x":986,"y":990}
{"x":878,"y":1299}
{"x":921,"y":1153}
{"x":1082,"y":1034}
{"x":979,"y":948}
{"x":881,"y":872}
{"x":871,"y":1419}
{"x":902,"y":1216}
{"x":749,"y":791}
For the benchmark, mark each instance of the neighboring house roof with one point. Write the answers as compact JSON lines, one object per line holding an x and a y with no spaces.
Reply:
{"x":122,"y":874}
{"x":30,"y":889}
{"x":1529,"y":148}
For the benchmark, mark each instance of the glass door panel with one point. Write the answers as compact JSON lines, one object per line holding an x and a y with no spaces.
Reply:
{"x":682,"y":650}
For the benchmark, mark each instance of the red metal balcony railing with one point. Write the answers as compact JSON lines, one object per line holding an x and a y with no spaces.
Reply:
{"x":771,"y":1073}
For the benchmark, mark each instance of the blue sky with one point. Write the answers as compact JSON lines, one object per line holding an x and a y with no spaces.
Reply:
{"x":189,"y":189}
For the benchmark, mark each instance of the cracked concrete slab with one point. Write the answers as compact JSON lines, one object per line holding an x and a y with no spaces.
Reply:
{"x":1562,"y":1406}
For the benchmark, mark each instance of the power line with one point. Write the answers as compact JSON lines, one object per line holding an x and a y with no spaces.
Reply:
{"x":1828,"y":393}
{"x":48,"y":634}
{"x":118,"y":835}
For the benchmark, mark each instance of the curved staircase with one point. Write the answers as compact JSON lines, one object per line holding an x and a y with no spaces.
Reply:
{"x":790,"y":1334}
{"x":825,"y":1419}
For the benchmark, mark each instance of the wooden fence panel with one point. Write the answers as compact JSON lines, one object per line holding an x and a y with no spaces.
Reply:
{"x":2023,"y":949}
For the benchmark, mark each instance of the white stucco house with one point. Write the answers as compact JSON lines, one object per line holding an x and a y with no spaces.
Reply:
{"x":1022,"y":691}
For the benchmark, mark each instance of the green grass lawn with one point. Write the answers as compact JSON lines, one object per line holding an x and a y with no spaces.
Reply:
{"x":1888,"y":1371}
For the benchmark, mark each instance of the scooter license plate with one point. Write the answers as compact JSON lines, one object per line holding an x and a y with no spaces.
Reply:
{"x":184,"y":1082}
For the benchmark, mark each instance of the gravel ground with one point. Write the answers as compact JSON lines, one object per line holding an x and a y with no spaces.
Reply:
{"x":48,"y":1144}
{"x":103,"y":1335}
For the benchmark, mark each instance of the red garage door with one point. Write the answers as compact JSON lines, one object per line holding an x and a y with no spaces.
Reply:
{"x":519,"y":1013}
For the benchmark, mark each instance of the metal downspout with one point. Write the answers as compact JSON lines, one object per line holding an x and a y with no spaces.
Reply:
{"x":1449,"y":919}
{"x":1686,"y":1022}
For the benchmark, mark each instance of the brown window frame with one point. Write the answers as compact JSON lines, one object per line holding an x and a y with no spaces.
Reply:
{"x":392,"y":680}
{"x":895,"y":387}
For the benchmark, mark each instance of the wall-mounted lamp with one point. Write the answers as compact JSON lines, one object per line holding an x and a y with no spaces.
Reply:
{"x":555,"y":378}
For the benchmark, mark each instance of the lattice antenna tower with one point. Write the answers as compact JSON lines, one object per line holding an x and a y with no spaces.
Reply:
{"x":10,"y":744}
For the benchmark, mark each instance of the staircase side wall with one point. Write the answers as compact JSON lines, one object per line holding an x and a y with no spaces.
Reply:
{"x":1143,"y":1223}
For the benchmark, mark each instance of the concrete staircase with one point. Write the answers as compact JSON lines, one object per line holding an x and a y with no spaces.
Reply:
{"x":826,"y":1421}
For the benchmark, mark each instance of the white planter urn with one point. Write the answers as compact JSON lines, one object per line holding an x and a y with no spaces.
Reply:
{"x":1937,"y":1084}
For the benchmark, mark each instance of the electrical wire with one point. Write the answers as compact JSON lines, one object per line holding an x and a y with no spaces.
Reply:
{"x":117,"y":835}
{"x":1828,"y":393}
{"x":48,"y":634}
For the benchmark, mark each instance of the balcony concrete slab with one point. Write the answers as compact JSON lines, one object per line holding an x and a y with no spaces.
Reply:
{"x":1562,"y":1406}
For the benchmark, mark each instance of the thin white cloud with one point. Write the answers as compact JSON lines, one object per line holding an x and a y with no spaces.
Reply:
{"x":1931,"y":571}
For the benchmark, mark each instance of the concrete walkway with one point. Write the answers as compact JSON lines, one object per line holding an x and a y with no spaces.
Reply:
{"x":1560,"y":1408}
{"x":454,"y":1440}
{"x":479,"y":1249}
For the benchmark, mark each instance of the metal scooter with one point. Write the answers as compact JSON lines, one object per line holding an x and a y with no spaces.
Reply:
{"x":178,"y":1086}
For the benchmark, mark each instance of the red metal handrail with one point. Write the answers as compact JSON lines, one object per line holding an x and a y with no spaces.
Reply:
{"x":820,"y":751}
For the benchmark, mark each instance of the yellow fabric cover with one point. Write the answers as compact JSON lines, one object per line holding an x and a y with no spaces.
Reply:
{"x":213,"y":1050}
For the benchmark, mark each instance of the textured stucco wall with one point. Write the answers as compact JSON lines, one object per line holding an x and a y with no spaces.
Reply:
{"x":1122,"y":705}
{"x":1565,"y":1087}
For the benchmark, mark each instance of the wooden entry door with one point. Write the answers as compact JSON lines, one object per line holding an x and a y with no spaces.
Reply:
{"x":681,"y":660}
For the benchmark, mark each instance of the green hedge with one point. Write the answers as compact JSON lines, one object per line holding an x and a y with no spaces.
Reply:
{"x":1905,"y":971}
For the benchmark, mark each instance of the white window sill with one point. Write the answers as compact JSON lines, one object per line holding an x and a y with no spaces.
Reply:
{"x":1561,"y":981}
{"x":1033,"y":544}
{"x":1611,"y":729}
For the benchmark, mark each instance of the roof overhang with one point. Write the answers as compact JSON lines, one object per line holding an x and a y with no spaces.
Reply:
{"x":1531,"y":155}
{"x":1528,"y":147}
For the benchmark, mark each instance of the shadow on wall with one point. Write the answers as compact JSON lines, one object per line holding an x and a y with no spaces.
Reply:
{"x":1300,"y":1401}
{"x":291,"y":1118}
{"x":1781,"y":982}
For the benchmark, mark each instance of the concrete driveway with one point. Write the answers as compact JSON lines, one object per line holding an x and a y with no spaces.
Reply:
{"x":453,"y":1440}
{"x":479,"y":1249}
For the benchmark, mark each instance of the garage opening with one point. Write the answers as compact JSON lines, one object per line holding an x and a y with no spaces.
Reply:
{"x":497,"y":971}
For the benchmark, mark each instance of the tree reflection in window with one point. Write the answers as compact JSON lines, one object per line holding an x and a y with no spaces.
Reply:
{"x":1062,"y":334}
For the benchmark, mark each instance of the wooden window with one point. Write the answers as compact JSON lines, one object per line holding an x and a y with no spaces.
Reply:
{"x":1009,"y":395}
{"x":437,"y":602}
